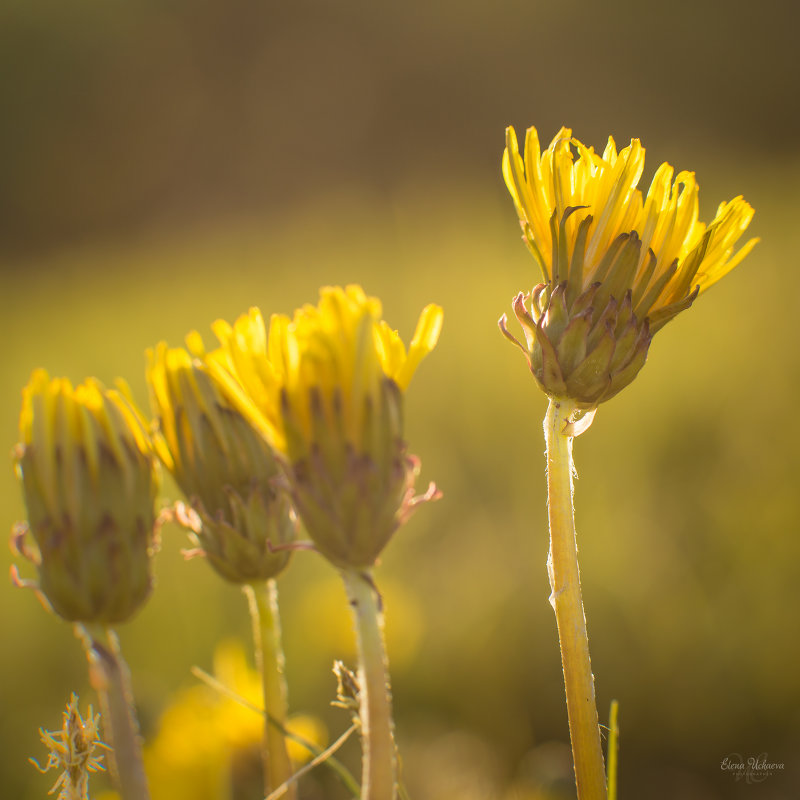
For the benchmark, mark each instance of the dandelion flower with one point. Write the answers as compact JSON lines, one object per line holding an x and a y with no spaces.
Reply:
{"x":90,"y":482}
{"x":616,"y":264}
{"x":223,"y":464}
{"x":327,"y":388}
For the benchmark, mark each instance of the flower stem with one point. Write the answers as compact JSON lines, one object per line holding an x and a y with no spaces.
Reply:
{"x":377,"y":727}
{"x":262,"y":599}
{"x":613,"y":749}
{"x":110,"y":678}
{"x":562,"y":565}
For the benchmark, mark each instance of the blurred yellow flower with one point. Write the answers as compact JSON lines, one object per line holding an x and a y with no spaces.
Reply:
{"x":208,"y":744}
{"x":73,"y":750}
{"x":224,"y":466}
{"x":90,"y":483}
{"x":326,"y":387}
{"x":616,"y":265}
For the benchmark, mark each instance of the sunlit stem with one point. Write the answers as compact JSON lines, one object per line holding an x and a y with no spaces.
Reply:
{"x":262,"y":599}
{"x":379,"y":766}
{"x":110,"y":678}
{"x":613,"y":749}
{"x":566,"y":600}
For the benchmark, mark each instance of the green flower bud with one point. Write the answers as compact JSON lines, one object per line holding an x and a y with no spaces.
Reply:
{"x":90,"y":485}
{"x":242,"y":514}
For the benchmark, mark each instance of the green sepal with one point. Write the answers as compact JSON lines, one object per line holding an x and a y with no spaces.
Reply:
{"x":620,"y":276}
{"x":660,"y":318}
{"x":599,"y":275}
{"x":590,"y":379}
{"x":585,"y":300}
{"x":525,"y":319}
{"x":643,"y":280}
{"x":503,"y":325}
{"x":633,"y":367}
{"x":625,"y":314}
{"x":572,"y":346}
{"x":689,"y":268}
{"x":554,"y":238}
{"x":607,"y":320}
{"x":540,"y":296}
{"x":625,"y":347}
{"x":576,"y":267}
{"x":561,"y":267}
{"x":642,"y":308}
{"x":550,"y":374}
{"x":557,"y":317}
{"x":240,"y":544}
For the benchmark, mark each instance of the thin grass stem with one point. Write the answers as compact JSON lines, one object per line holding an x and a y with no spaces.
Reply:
{"x":332,"y":763}
{"x":323,"y":756}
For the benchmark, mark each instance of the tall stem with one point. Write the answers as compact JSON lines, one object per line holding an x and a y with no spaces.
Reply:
{"x":377,"y":727}
{"x":110,"y":678}
{"x":262,"y":599}
{"x":562,"y":566}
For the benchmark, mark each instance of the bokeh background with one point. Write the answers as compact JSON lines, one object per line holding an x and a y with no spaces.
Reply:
{"x":163,"y":164}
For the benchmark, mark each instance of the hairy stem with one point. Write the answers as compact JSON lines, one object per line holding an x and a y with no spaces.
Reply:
{"x":262,"y":599}
{"x":379,"y":766}
{"x":567,"y":602}
{"x":110,"y":678}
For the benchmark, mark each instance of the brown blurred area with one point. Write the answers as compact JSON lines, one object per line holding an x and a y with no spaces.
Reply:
{"x":118,"y":117}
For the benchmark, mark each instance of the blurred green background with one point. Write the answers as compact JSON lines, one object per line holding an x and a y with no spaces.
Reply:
{"x":164,"y":164}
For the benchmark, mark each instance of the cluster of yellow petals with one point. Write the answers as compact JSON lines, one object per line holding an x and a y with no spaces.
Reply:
{"x":70,"y":426}
{"x":191,"y":408}
{"x":335,"y":353}
{"x":545,"y":186}
{"x":174,"y":388}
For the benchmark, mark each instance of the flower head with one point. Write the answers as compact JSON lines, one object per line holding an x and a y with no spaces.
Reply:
{"x":72,"y":750}
{"x":616,"y":265}
{"x":327,"y":388}
{"x":223,"y":464}
{"x":89,"y":480}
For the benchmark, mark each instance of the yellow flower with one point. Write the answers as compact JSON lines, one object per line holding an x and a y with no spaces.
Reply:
{"x":616,"y":265}
{"x":208,"y":743}
{"x":326,"y":387}
{"x":72,"y":750}
{"x":90,"y":484}
{"x":223,"y":465}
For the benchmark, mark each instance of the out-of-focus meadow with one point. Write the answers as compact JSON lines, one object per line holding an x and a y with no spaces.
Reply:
{"x":166,"y":165}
